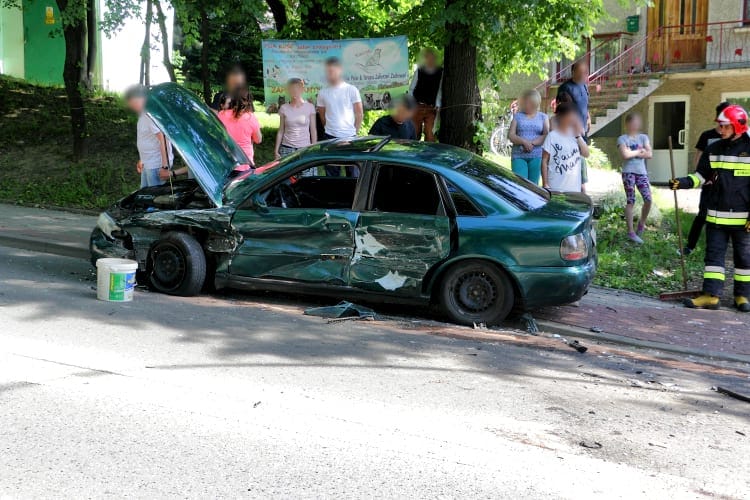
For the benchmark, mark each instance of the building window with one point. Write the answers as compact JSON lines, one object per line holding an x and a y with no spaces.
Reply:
{"x":741,"y":98}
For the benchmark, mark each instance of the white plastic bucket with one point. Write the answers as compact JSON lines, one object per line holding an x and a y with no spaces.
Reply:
{"x":115,"y":279}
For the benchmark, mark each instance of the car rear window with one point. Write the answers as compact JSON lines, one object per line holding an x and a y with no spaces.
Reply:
{"x":516,"y":190}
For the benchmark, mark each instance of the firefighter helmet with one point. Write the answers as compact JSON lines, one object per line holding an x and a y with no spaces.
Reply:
{"x":736,"y":116}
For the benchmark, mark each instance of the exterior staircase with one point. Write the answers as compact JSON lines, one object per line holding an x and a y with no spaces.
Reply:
{"x":611,"y":99}
{"x":620,"y":81}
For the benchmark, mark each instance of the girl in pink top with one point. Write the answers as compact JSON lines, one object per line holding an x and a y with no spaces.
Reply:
{"x":241,"y":123}
{"x":296,"y":122}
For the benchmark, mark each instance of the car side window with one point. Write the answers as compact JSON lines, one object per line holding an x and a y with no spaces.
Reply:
{"x":406,"y":190}
{"x":322,"y":186}
{"x":462,"y":203}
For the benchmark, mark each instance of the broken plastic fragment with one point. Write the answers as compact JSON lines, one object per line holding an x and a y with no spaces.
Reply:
{"x":343,"y":309}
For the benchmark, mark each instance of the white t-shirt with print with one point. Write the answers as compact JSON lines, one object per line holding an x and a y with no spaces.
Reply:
{"x":339,"y":102}
{"x":149,"y":148}
{"x":564,"y":166}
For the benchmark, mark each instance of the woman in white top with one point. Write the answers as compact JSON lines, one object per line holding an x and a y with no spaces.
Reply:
{"x":296,"y":122}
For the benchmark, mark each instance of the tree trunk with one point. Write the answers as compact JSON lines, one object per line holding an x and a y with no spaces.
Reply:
{"x":205,"y":70}
{"x":146,"y":47}
{"x":462,"y":103}
{"x":92,"y":38}
{"x":278,"y":9}
{"x":161,"y":19}
{"x":74,"y":32}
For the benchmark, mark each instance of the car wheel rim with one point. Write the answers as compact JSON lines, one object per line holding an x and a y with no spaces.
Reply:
{"x":169,"y":266}
{"x":475,"y":292}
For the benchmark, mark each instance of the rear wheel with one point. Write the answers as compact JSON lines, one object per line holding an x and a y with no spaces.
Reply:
{"x":475,"y":291}
{"x":177,"y":265}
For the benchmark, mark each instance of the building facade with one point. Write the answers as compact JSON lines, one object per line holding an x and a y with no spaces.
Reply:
{"x":672,"y":62}
{"x":32,"y":47}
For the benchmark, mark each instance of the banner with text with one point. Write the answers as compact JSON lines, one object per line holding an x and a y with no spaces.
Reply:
{"x":378,"y":67}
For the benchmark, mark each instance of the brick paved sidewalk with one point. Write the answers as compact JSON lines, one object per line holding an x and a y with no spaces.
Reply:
{"x":644,"y":318}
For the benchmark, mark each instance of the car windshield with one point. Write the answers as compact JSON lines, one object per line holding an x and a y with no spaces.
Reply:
{"x":519,"y":191}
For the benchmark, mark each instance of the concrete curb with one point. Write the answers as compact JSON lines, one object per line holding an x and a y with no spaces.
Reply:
{"x":574,"y":331}
{"x":35,"y":245}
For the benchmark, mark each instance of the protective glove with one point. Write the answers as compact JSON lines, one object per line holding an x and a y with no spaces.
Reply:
{"x":674,"y":184}
{"x":680,"y":183}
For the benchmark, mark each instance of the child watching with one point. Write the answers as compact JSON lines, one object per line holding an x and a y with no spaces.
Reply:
{"x":635,"y":149}
{"x":562,"y":151}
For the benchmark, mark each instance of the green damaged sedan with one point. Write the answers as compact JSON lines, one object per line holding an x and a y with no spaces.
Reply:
{"x":414,"y":221}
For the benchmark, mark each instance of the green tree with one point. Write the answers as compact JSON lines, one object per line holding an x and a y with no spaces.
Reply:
{"x":489,"y":40}
{"x":482,"y":40}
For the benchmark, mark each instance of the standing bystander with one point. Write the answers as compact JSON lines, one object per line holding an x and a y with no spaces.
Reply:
{"x":427,"y":88}
{"x":562,"y":151}
{"x":236,"y":80}
{"x":296,"y":121}
{"x":576,"y":90}
{"x":398,"y":124}
{"x":154,"y":151}
{"x":527,"y":132}
{"x":340,"y":109}
{"x":635,"y":149}
{"x":242,"y":124}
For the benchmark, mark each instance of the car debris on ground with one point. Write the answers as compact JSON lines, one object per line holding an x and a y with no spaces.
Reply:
{"x":342,"y":311}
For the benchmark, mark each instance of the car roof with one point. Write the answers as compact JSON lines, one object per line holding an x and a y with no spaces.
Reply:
{"x":382,"y":148}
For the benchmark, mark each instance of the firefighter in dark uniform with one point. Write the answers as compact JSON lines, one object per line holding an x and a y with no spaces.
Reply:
{"x":724,"y":171}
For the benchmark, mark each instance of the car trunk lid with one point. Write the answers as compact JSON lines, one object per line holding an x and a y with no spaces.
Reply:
{"x":198,"y":135}
{"x":575,"y":207}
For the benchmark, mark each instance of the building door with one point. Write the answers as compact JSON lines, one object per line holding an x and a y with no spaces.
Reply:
{"x":668,"y":117}
{"x":44,"y":46}
{"x":677,"y":32}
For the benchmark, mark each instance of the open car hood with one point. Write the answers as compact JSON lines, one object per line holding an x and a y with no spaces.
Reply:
{"x":198,"y":135}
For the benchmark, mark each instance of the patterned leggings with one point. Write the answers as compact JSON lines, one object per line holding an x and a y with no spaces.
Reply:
{"x":632,"y":181}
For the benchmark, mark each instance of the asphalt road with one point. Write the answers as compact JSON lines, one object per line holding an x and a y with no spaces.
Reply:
{"x":243,"y":396}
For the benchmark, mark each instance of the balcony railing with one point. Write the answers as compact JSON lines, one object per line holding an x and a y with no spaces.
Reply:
{"x":710,"y":46}
{"x":719,"y":45}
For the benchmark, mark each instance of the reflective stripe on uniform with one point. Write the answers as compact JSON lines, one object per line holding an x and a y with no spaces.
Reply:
{"x":713,"y":273}
{"x":697,"y":179}
{"x":742,"y":173}
{"x":713,"y":276}
{"x":742,"y":275}
{"x":724,"y":218}
{"x":729,"y":162}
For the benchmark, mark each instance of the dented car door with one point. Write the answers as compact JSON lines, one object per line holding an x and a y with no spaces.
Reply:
{"x":393,"y":252}
{"x":402,"y":235}
{"x":308,"y":245}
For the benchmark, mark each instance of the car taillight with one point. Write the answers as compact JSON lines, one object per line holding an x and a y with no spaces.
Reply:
{"x":574,"y":247}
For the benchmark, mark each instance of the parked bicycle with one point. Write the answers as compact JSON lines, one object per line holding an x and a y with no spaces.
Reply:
{"x":499,"y":142}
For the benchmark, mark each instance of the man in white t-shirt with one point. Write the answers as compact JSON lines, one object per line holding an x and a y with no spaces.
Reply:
{"x":154,"y":151}
{"x":340,"y":109}
{"x":562,"y":151}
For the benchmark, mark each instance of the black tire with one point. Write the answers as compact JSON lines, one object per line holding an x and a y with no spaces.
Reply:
{"x":474,"y":292}
{"x":177,"y":265}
